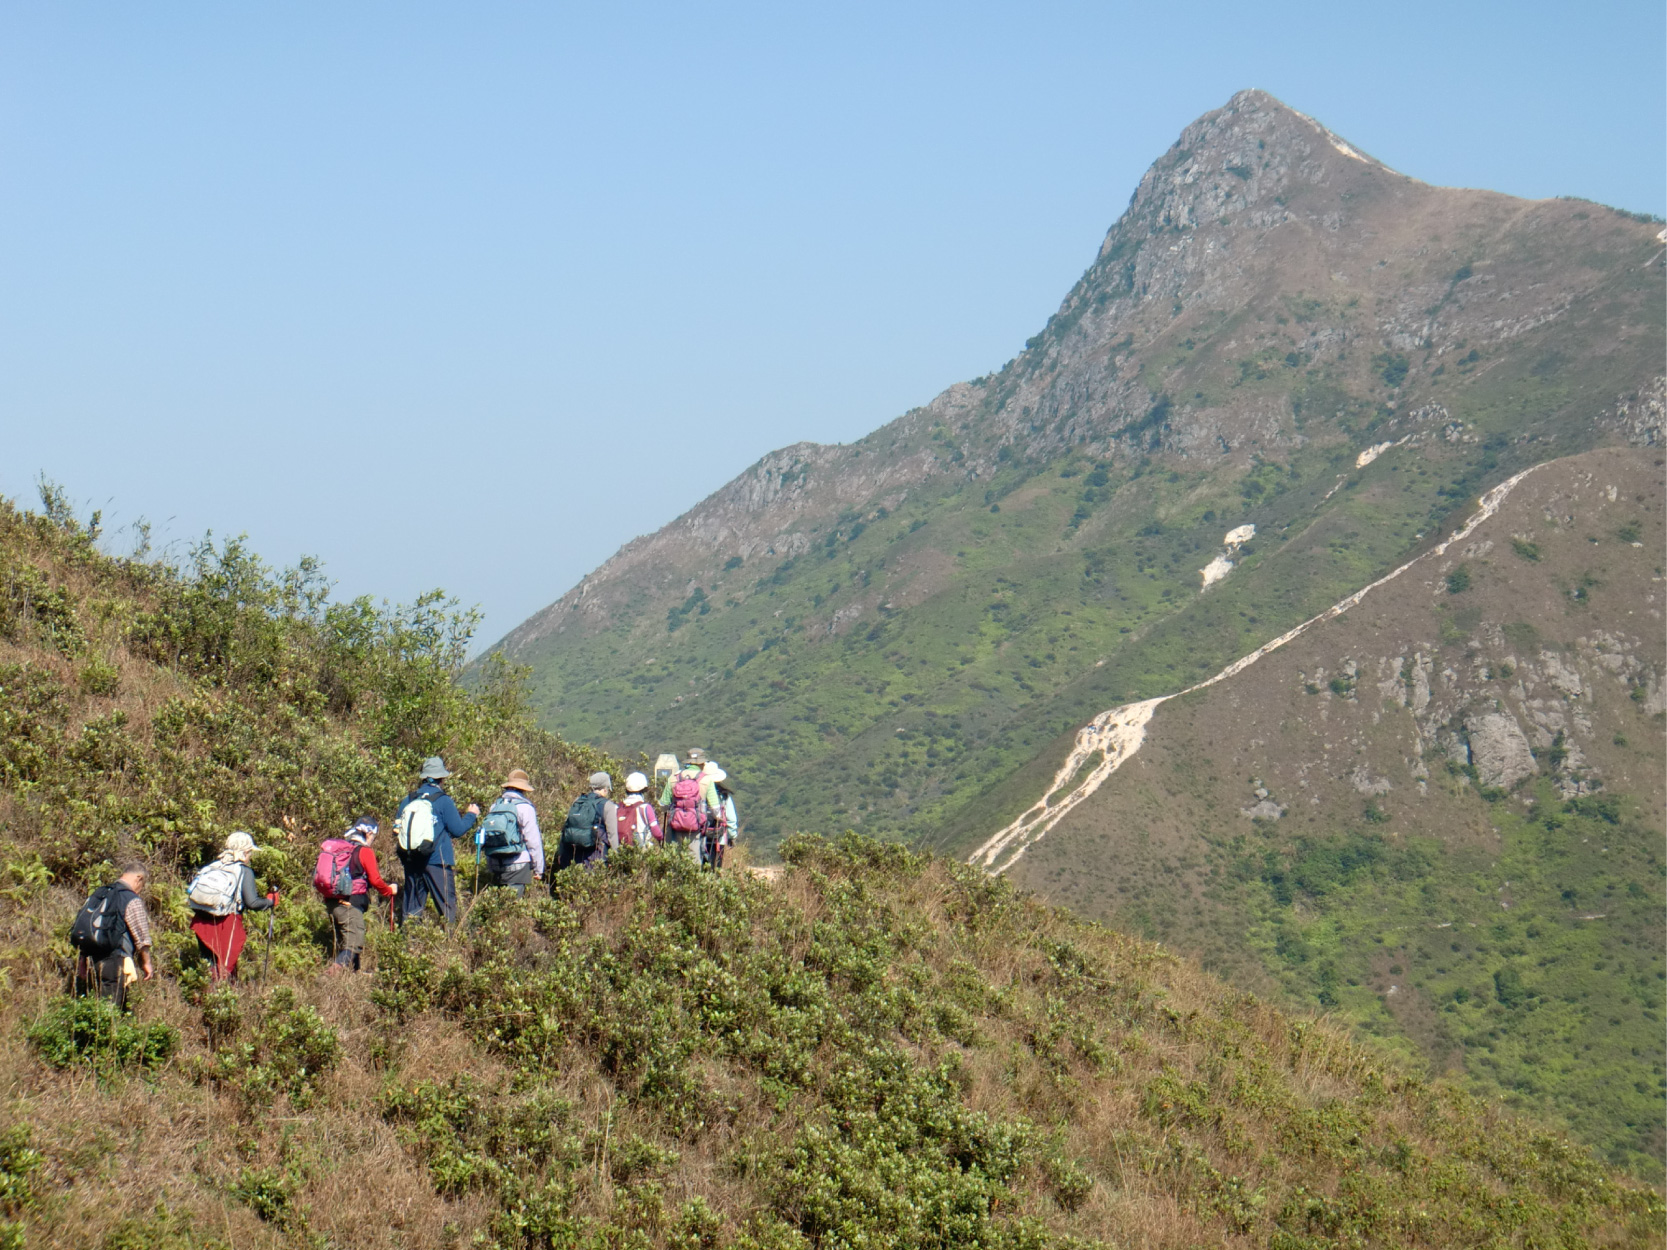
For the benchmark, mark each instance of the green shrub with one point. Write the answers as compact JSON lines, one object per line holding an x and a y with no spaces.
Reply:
{"x":18,"y":1165}
{"x":290,"y":1052}
{"x":162,"y":1229}
{"x":1508,"y":987}
{"x":91,"y":1030}
{"x":1392,"y":367}
{"x":270,"y":1193}
{"x":99,"y":678}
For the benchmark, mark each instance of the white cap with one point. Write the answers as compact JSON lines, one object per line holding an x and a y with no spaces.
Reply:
{"x":636,"y":783}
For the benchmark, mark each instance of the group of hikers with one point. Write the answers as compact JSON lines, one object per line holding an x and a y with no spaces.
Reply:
{"x":695,"y":816}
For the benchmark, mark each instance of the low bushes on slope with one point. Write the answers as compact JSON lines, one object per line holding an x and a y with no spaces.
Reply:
{"x":879,"y":1049}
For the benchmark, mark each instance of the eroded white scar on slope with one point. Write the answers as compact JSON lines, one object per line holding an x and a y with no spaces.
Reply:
{"x":1113,"y":736}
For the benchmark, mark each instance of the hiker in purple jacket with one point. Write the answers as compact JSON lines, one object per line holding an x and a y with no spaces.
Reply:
{"x":517,"y":872}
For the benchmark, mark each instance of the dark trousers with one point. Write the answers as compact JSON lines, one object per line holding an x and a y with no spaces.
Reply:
{"x":426,"y":881}
{"x":569,"y":854}
{"x":102,"y":977}
{"x":516,"y":878}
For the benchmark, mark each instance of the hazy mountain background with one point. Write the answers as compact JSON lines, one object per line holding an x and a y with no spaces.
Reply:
{"x":901,"y":635}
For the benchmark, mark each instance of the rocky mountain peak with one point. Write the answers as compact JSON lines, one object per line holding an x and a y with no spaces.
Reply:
{"x":1232,"y":161}
{"x":1265,"y":271}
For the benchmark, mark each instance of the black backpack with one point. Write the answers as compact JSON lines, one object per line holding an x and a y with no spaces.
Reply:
{"x":583,"y":819}
{"x":100,"y":926}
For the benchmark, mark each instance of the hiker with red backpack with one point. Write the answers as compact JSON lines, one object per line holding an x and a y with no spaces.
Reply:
{"x":344,"y":876}
{"x":220,"y":893}
{"x":691,"y":802}
{"x":638,"y":825}
{"x":427,"y":822}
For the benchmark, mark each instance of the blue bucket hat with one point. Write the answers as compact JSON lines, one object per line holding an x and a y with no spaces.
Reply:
{"x":434,"y":769}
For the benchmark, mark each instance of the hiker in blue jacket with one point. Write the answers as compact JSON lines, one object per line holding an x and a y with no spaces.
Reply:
{"x":435,"y":876}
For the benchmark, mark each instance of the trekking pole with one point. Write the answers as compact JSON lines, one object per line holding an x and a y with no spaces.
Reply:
{"x":266,"y":972}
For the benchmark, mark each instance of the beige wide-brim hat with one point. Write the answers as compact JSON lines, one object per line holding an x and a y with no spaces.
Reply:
{"x":518,"y":780}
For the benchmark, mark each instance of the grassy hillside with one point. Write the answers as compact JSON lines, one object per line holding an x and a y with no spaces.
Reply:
{"x":874,"y":1049}
{"x":154,"y":710}
{"x":1318,"y":826}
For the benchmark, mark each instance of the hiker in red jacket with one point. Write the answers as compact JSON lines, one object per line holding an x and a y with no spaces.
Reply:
{"x":351,"y":863}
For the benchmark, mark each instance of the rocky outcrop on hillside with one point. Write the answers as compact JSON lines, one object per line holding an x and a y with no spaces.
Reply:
{"x":1639,"y":417}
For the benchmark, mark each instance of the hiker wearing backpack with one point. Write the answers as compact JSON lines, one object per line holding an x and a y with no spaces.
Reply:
{"x":728,"y":827}
{"x":510,"y":839}
{"x":220,"y":893}
{"x":690,"y":799}
{"x":345,"y":874}
{"x":591,"y":827}
{"x":638,"y":825}
{"x":428,"y":820}
{"x":111,"y":930}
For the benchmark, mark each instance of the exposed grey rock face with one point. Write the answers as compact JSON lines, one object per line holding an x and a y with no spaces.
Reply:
{"x":1499,"y":749}
{"x":1641,"y":416}
{"x":1365,"y":783}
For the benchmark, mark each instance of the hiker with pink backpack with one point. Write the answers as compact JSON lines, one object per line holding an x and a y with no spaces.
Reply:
{"x":693,"y":809}
{"x":344,"y":876}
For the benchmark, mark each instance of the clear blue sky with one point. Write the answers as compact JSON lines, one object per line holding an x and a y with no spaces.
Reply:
{"x":469,"y":295}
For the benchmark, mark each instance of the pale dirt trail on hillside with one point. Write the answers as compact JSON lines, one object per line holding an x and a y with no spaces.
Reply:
{"x":1119,"y":733}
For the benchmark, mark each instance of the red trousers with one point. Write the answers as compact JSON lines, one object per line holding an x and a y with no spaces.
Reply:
{"x":222,"y":937}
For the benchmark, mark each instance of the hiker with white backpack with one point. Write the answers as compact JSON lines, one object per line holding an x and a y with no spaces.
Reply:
{"x":427,"y":822}
{"x":344,"y":876}
{"x":509,"y":837}
{"x":220,"y":893}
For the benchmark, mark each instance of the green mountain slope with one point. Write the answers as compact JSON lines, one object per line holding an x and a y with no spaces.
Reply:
{"x":1438,"y":814}
{"x":874,"y":1047}
{"x":879,"y":636}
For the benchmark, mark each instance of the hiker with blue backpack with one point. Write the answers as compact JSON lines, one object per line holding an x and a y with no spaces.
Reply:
{"x":509,"y":837}
{"x":219,"y":894}
{"x":344,"y":876}
{"x":427,"y":822}
{"x":591,"y":827}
